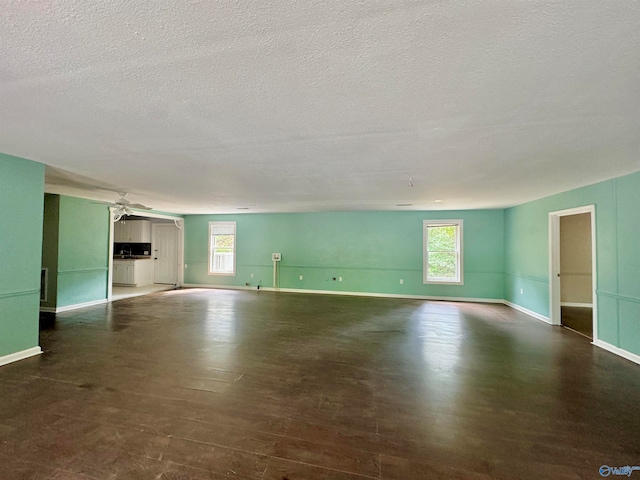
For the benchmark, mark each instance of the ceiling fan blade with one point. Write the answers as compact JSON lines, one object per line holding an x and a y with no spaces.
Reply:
{"x":122,"y":206}
{"x":138,"y":206}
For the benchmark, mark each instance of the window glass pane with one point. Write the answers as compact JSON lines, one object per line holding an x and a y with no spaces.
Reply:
{"x":223,"y":241}
{"x":223,"y":262}
{"x":442,"y":265}
{"x":442,"y":238}
{"x":443,"y":252}
{"x":222,"y":248}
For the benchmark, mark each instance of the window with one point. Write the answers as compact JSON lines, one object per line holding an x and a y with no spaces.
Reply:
{"x":443,"y":251}
{"x":222,"y":248}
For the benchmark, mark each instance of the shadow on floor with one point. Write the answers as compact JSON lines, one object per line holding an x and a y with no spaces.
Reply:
{"x":47,"y":321}
{"x":578,"y":319}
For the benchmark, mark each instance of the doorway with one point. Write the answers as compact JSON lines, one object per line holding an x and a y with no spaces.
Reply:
{"x":573,"y":270}
{"x":176,"y":225}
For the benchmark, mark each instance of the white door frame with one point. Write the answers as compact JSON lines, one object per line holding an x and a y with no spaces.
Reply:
{"x":554,"y":264}
{"x":179,"y":221}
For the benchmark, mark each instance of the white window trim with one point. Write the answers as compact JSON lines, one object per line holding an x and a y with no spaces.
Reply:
{"x":235,"y":241}
{"x":425,"y":225}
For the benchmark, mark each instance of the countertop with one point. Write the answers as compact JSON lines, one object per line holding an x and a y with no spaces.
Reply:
{"x":132,"y":257}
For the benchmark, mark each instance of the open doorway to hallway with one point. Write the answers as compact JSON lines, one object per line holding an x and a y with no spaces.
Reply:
{"x":572,"y":270}
{"x":576,"y":276}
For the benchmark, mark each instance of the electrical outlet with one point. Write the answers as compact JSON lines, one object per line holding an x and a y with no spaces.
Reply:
{"x":402,"y":281}
{"x":252,"y":275}
{"x":300,"y":277}
{"x":339,"y":279}
{"x":186,"y":266}
{"x":521,"y":291}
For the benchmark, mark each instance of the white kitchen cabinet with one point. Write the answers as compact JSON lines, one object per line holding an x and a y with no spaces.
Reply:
{"x":132,"y":231}
{"x":123,"y":272}
{"x":133,"y":272}
{"x":141,"y":231}
{"x":121,"y":232}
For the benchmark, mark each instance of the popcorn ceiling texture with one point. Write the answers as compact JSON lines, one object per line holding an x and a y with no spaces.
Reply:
{"x":201,"y":106}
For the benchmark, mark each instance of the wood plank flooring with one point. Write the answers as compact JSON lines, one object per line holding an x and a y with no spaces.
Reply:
{"x":579,"y":319}
{"x":206,"y":384}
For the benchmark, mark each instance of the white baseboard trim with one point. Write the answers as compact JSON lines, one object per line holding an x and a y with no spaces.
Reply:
{"x":81,"y":305}
{"x":352,"y":294}
{"x":226,"y":287}
{"x":531,"y":313}
{"x":72,"y":307}
{"x":393,"y":295}
{"x":632,"y":357}
{"x":575,"y":304}
{"x":14,"y":357}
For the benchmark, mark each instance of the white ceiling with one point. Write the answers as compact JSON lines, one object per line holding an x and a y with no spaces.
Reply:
{"x":290,"y":105}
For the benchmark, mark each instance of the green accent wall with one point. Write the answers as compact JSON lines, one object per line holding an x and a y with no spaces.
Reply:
{"x":372,"y":251}
{"x":76,"y":239}
{"x":617,"y":204}
{"x":83,"y":255}
{"x":21,"y":197}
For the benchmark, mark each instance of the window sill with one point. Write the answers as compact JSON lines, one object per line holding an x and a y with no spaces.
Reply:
{"x":441,"y":282}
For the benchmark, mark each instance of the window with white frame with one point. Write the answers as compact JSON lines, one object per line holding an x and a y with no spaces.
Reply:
{"x":443,"y":251}
{"x":222,"y":248}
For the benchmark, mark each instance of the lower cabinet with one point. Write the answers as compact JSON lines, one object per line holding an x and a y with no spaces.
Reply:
{"x":133,"y":272}
{"x":122,"y":272}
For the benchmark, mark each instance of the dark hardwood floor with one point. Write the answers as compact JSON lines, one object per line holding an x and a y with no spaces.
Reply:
{"x":205,"y":384}
{"x":579,"y":319}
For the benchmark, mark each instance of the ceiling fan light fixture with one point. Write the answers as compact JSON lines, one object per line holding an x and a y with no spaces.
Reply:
{"x":123,"y":207}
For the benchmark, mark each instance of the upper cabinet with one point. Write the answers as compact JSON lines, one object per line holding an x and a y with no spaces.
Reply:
{"x":132,"y":231}
{"x":141,"y":231}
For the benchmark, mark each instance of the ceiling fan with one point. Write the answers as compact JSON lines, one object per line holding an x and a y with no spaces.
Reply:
{"x":123,"y":207}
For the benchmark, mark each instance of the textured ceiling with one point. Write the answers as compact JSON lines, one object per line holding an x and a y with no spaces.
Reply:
{"x":199,"y":106}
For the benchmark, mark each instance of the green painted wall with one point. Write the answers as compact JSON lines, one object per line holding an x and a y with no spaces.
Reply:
{"x":50,"y":233}
{"x":21,"y":197}
{"x":83,"y":251}
{"x":372,"y":251}
{"x":617,"y":204}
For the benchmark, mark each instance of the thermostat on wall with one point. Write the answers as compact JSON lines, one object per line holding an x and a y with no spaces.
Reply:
{"x":276,"y":257}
